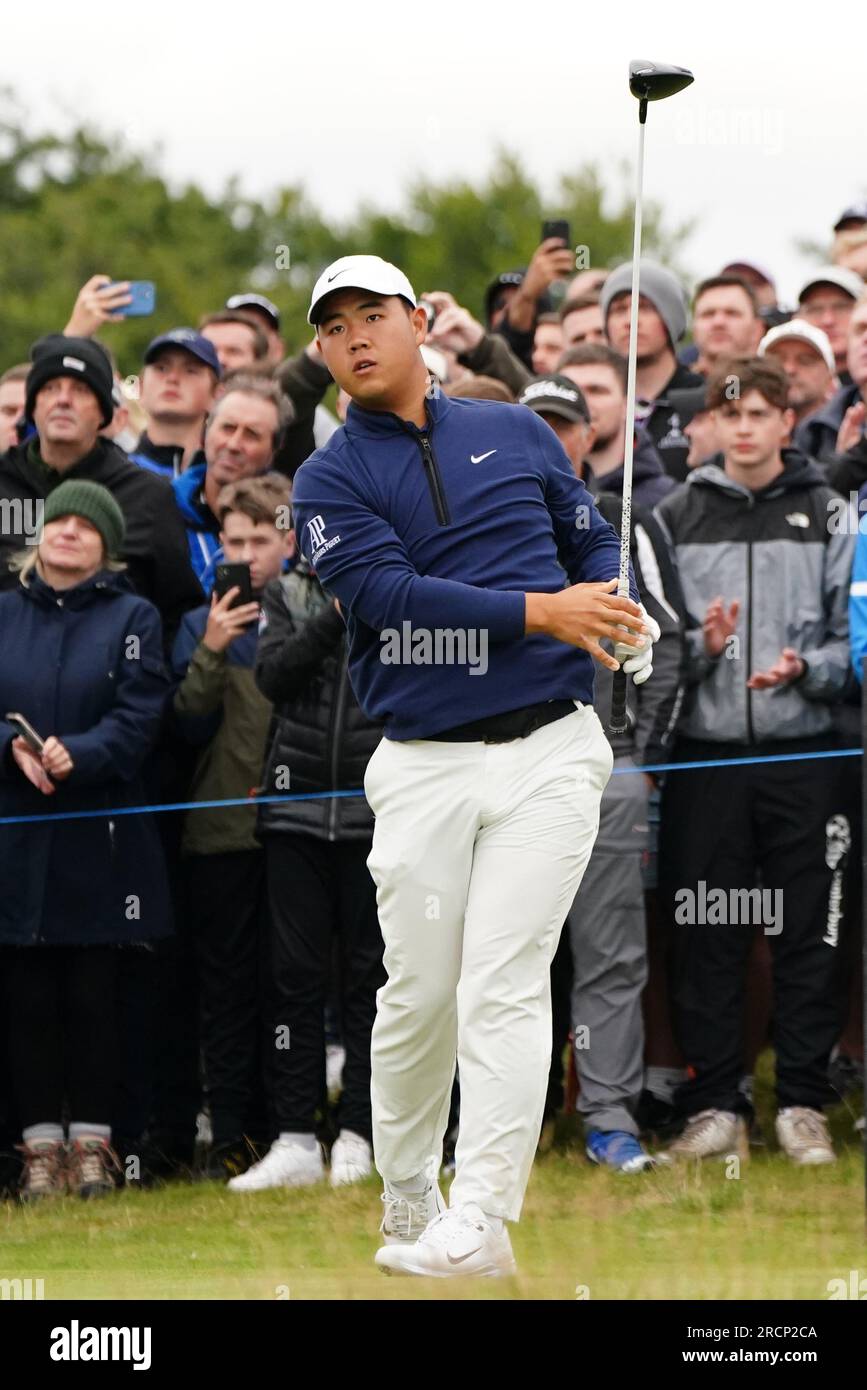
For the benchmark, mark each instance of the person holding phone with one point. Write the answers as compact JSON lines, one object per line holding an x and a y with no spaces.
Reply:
{"x":218,"y":709}
{"x":82,"y":691}
{"x":552,"y":260}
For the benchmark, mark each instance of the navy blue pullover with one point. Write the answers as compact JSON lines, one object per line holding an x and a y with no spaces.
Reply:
{"x":443,"y":530}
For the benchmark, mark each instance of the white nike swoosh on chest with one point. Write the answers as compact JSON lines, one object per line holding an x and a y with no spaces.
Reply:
{"x":479,"y":458}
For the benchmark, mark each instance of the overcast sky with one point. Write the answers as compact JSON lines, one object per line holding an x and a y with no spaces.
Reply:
{"x":353,"y":100}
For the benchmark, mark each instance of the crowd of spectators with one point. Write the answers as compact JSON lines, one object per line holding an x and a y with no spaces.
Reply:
{"x":190,"y":992}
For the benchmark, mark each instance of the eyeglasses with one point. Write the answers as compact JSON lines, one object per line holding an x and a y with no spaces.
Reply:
{"x":818,"y":307}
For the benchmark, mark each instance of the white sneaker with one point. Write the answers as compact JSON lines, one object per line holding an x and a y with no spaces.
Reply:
{"x":407,"y":1216}
{"x":803,"y":1136}
{"x":286,"y":1164}
{"x":457,"y":1243}
{"x":711,"y":1134}
{"x":351,"y":1159}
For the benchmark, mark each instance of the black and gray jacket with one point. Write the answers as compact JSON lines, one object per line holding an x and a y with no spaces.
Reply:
{"x":817,"y":435}
{"x":652,"y":709}
{"x":318,"y":732}
{"x":775,"y":551}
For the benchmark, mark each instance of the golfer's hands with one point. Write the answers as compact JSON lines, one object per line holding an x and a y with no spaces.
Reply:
{"x":788,"y":667}
{"x":584,"y":614}
{"x":454,"y":327}
{"x":97,"y":305}
{"x":30,"y":764}
{"x":639,"y":664}
{"x":225,"y":623}
{"x":719,"y":625}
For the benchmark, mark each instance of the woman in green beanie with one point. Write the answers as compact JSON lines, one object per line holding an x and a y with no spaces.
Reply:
{"x":82,"y":662}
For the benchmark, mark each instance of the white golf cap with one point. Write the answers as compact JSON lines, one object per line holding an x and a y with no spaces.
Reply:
{"x":799,"y":328}
{"x":360,"y":273}
{"x":847,"y":280}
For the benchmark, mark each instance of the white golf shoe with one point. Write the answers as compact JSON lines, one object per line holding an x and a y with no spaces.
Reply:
{"x":351,"y":1159}
{"x":286,"y":1164}
{"x":457,"y":1243}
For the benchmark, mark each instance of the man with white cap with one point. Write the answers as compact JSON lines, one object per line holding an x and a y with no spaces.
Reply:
{"x":456,"y":523}
{"x":838,"y":425}
{"x":804,"y":353}
{"x":826,"y":299}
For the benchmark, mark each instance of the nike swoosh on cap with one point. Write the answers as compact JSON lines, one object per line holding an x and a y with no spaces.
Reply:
{"x":480,"y":458}
{"x":335,"y":275}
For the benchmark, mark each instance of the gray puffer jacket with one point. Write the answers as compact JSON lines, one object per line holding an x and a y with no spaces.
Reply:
{"x":777,"y":552}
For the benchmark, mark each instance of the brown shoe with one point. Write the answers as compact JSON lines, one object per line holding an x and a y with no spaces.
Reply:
{"x":92,"y":1164}
{"x":44,"y":1172}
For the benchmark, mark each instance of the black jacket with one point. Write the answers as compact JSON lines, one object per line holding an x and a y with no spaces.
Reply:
{"x":318,"y":732}
{"x":817,"y":435}
{"x":653,"y":708}
{"x":305,"y":382}
{"x":650,"y":482}
{"x":155,"y":550}
{"x":665,"y":427}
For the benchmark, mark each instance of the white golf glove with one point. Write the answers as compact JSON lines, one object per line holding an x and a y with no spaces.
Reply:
{"x":637,"y":662}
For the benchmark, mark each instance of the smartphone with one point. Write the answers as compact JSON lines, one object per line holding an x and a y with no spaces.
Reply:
{"x":230,"y":576}
{"x":27,"y":732}
{"x":557,"y":228}
{"x":143,"y":299}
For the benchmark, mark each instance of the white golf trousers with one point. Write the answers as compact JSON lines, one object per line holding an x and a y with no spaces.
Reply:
{"x":477,"y":854}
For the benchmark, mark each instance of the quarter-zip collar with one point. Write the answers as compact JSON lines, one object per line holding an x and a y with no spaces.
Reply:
{"x":376,"y":424}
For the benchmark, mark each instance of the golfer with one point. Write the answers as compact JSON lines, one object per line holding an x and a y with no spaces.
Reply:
{"x":477,"y":580}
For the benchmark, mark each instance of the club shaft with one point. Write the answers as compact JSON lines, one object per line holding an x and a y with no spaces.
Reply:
{"x":626,"y":515}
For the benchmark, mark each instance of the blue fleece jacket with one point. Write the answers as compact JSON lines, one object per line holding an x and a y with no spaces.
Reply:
{"x":202,"y":526}
{"x":430,"y":538}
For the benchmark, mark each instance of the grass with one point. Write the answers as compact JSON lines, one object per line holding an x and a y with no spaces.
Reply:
{"x":774,"y":1232}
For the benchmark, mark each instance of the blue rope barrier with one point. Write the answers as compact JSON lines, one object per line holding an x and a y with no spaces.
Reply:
{"x":330,"y":796}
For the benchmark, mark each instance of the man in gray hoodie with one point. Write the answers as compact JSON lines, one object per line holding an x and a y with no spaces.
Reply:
{"x":765,"y":575}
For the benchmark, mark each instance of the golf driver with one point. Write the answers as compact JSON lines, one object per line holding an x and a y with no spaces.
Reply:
{"x":648,"y":82}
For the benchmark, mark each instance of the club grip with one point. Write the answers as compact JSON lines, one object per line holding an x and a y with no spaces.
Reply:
{"x":617,"y":723}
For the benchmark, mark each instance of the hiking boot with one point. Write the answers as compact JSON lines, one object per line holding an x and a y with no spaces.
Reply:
{"x":92,"y":1164}
{"x":44,"y":1171}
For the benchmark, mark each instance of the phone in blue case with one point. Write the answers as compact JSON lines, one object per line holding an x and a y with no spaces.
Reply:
{"x":143,"y":299}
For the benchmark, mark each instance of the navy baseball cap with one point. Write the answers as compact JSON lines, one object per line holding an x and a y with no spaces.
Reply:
{"x":256,"y":301}
{"x":190,"y":341}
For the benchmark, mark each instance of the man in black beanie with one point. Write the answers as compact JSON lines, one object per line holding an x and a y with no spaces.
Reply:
{"x":69,"y":400}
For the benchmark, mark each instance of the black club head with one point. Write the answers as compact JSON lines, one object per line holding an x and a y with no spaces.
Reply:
{"x":654,"y":81}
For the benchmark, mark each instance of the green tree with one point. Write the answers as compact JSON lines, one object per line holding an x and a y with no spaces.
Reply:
{"x":75,"y":205}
